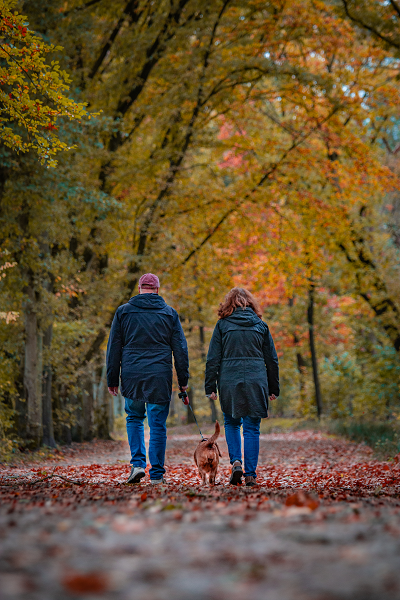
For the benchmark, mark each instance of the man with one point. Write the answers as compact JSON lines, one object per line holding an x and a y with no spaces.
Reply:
{"x":144,"y":334}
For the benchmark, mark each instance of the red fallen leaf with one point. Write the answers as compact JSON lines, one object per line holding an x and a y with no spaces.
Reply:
{"x":302,"y":499}
{"x":143,"y":497}
{"x":85,"y":583}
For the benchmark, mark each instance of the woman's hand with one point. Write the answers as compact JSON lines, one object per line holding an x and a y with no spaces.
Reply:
{"x":213,"y":396}
{"x":272,"y":397}
{"x":113,"y":391}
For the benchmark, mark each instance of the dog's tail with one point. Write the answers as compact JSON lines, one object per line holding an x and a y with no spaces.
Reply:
{"x":215,"y":435}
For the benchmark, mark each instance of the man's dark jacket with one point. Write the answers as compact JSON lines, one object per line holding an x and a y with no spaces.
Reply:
{"x":144,"y":334}
{"x":243,"y":364}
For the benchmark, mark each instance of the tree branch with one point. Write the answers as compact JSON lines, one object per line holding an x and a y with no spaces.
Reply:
{"x":368,"y":27}
{"x":382,"y":306}
{"x":209,"y":235}
{"x":83,"y":7}
{"x":395,"y":6}
{"x":129,"y":10}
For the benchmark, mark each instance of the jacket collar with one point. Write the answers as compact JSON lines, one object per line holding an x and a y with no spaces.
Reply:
{"x":150,"y":301}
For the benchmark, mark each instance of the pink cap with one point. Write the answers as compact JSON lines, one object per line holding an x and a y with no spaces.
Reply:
{"x":149,"y":281}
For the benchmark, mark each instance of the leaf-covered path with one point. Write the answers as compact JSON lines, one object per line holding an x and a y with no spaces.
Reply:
{"x":323,"y":524}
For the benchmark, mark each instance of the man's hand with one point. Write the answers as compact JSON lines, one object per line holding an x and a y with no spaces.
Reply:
{"x":113,"y":391}
{"x":185,"y":398}
{"x":272,"y":397}
{"x":213,"y":396}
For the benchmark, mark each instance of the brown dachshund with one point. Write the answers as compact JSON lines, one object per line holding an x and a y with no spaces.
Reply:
{"x":206,"y":457}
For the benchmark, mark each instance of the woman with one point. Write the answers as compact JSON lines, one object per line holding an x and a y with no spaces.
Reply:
{"x":243,"y":364}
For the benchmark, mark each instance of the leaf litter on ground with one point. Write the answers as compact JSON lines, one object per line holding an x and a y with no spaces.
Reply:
{"x":313,"y":490}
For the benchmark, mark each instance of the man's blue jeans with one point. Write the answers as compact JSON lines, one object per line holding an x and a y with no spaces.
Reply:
{"x":157,"y":416}
{"x":251,"y":436}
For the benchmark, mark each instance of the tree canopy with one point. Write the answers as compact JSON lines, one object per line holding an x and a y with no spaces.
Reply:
{"x":250,"y":143}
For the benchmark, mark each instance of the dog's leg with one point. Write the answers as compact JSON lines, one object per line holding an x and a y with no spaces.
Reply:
{"x":202,"y":474}
{"x":211,"y":477}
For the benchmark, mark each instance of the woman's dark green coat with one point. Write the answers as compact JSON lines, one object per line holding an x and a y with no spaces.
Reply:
{"x":242,"y":364}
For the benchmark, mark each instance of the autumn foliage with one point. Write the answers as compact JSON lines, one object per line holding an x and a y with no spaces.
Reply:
{"x":253,"y":145}
{"x":33,"y":92}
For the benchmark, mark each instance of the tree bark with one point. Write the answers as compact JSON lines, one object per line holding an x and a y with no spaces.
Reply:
{"x":32,"y":382}
{"x":77,"y":427}
{"x":202,"y":342}
{"x":111,"y":401}
{"x":302,"y":369}
{"x":213,"y":410}
{"x":172,"y":406}
{"x":102,"y":406}
{"x":310,"y":318}
{"x":88,"y":411}
{"x":301,"y":363}
{"x":47,"y":417}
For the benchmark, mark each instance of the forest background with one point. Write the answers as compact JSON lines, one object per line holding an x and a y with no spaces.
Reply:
{"x":215,"y":143}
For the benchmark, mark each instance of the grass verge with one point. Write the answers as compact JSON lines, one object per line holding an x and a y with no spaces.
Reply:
{"x":382,"y":436}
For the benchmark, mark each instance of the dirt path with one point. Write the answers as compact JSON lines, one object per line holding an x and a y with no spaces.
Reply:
{"x":324,"y":524}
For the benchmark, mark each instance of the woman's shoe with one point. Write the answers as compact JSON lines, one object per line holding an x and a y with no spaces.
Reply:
{"x":237,"y":473}
{"x":250,"y":481}
{"x":157,"y":481}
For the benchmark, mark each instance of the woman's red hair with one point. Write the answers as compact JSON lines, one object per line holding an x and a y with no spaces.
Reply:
{"x":238,"y":298}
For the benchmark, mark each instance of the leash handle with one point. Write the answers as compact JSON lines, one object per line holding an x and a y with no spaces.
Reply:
{"x":184,"y":397}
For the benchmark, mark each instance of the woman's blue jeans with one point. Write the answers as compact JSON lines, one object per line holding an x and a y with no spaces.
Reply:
{"x":251,"y":437}
{"x":157,"y":416}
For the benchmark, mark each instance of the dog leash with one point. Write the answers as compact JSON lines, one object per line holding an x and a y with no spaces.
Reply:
{"x":182,"y":396}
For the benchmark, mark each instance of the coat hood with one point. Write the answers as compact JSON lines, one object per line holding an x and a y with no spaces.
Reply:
{"x":151,"y":301}
{"x":245,"y":317}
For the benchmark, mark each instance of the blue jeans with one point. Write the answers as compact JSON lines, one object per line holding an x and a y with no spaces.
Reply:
{"x":251,"y":436}
{"x":157,"y":416}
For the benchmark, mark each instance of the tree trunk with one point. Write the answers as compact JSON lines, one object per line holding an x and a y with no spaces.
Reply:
{"x":302,"y":369}
{"x":301,"y":364}
{"x":213,"y":410}
{"x":111,"y":400}
{"x":88,"y":411}
{"x":190,"y":417}
{"x":67,"y":434}
{"x":310,"y":318}
{"x":32,"y":381}
{"x":121,"y":404}
{"x":102,"y":405}
{"x":172,"y":406}
{"x":48,"y":429}
{"x":202,"y":342}
{"x":77,"y":427}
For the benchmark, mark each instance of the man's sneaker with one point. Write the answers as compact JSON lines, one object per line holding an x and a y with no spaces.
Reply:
{"x":136,"y":475}
{"x":237,"y":473}
{"x":157,"y":481}
{"x":250,"y":481}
